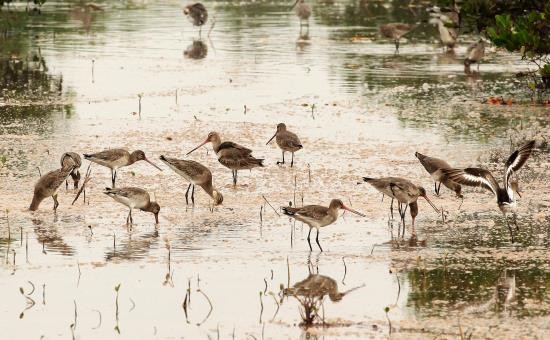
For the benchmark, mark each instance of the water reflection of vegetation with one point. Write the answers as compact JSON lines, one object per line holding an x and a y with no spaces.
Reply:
{"x":519,"y":288}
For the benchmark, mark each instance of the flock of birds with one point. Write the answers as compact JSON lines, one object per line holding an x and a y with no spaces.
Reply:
{"x":237,"y":157}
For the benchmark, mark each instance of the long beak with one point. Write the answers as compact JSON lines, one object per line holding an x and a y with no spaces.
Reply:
{"x":206,"y":141}
{"x":433,"y":206}
{"x":353,"y":211}
{"x":153,"y":164}
{"x":270,"y":139}
{"x":519,"y":194}
{"x":294,"y":4}
{"x":157,"y":218}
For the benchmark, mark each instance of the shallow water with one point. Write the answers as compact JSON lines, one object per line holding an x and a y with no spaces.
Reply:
{"x":74,"y":80}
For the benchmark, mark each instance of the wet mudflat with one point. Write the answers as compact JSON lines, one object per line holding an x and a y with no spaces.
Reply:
{"x":75,"y":84}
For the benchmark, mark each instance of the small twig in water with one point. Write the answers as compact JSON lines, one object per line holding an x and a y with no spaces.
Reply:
{"x":99,"y":323}
{"x":211,"y":307}
{"x":345,"y":269}
{"x":261,"y":307}
{"x":270,"y":205}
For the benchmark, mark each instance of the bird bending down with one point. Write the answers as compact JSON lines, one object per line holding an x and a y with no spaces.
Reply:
{"x":197,"y":14}
{"x":287,"y":141}
{"x":434,"y":167}
{"x":478,"y":177}
{"x":317,"y":216}
{"x":196,"y":174}
{"x":75,"y":174}
{"x":134,"y":198}
{"x":48,"y":185}
{"x":474,"y":54}
{"x":117,"y":158}
{"x":448,"y":36}
{"x":231,"y":155}
{"x":395,"y":31}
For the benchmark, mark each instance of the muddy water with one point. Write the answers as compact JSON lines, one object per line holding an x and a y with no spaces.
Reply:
{"x":75,"y":78}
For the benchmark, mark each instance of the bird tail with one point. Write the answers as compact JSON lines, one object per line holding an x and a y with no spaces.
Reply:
{"x":36,"y":200}
{"x":162,"y":158}
{"x":367,"y":179}
{"x":259,"y":161}
{"x":289,"y":211}
{"x":87,"y":156}
{"x":419,"y":155}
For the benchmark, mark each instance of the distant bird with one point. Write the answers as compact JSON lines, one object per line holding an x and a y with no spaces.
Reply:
{"x":395,"y":31}
{"x":197,"y":14}
{"x":447,"y":35}
{"x":434,"y":166}
{"x":231,"y":155}
{"x":478,"y":177}
{"x":303,"y":12}
{"x":317,"y":216}
{"x":287,"y":141}
{"x":134,"y":198}
{"x":75,"y":174}
{"x":317,"y":286}
{"x":404,"y":191}
{"x":196,"y":174}
{"x":117,"y":158}
{"x":48,"y":185}
{"x":474,"y":54}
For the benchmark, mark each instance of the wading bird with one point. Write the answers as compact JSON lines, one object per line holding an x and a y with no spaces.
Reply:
{"x":75,"y":174}
{"x":117,"y":158}
{"x":48,"y":185}
{"x":197,"y":14}
{"x":317,"y":216}
{"x":434,"y":167}
{"x":231,"y":155}
{"x":287,"y":141}
{"x":303,"y":12}
{"x":478,"y":177}
{"x":448,"y":36}
{"x":395,"y":31}
{"x":196,"y":174}
{"x":134,"y":198}
{"x":474,"y":54}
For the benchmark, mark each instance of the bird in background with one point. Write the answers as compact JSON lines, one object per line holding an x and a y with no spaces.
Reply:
{"x":478,"y":177}
{"x":48,"y":185}
{"x":134,"y":198}
{"x":117,"y":158}
{"x":395,"y":31}
{"x":317,"y":216}
{"x":231,"y":155}
{"x":197,"y":14}
{"x":287,"y":142}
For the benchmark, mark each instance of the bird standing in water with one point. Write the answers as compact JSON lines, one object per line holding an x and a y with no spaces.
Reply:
{"x":287,"y":141}
{"x":395,"y":31}
{"x":196,"y":174}
{"x":474,"y":54}
{"x":231,"y":155}
{"x":448,"y":36}
{"x":478,"y":177}
{"x":48,"y":185}
{"x":117,"y":158}
{"x":317,"y":216}
{"x":197,"y":14}
{"x":134,"y":198}
{"x":75,"y":174}
{"x":434,"y":167}
{"x":303,"y":12}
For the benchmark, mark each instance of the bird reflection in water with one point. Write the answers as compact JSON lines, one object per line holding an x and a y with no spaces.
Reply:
{"x":311,"y":293}
{"x":197,"y":50}
{"x":303,"y":41}
{"x":132,"y":249}
{"x":49,"y":238}
{"x":503,"y":297}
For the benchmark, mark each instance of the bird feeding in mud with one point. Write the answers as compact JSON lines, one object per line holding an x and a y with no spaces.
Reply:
{"x":75,"y":174}
{"x":405,"y":192}
{"x":197,"y":14}
{"x":231,"y":155}
{"x":134,"y":198}
{"x":317,"y":216}
{"x":287,"y":141}
{"x":395,"y":31}
{"x":118,"y":158}
{"x":478,"y":177}
{"x":474,"y":54}
{"x":434,"y":167}
{"x":303,"y":12}
{"x":48,"y":185}
{"x":196,"y":174}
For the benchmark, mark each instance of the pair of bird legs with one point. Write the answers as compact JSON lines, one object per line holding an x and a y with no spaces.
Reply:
{"x":302,"y":25}
{"x":129,"y":219}
{"x":316,"y":239}
{"x":396,"y":41}
{"x":510,"y":228}
{"x":283,"y":162}
{"x":192,"y":194}
{"x":402,"y":212}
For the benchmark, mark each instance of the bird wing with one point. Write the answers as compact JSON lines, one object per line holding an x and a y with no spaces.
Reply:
{"x":128,"y":192}
{"x":315,"y":212}
{"x":109,"y":155}
{"x":291,"y":140}
{"x":431,"y":164}
{"x":234,"y":148}
{"x":474,"y":177}
{"x":517,"y":159}
{"x":191,"y":168}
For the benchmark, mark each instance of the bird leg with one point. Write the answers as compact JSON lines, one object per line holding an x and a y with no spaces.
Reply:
{"x":283,"y":162}
{"x":308,"y":239}
{"x":235,"y":182}
{"x":55,"y":202}
{"x":187,"y":193}
{"x":396,"y":46}
{"x":131,"y":219}
{"x":128,"y":217}
{"x":439,"y":188}
{"x":391,"y":207}
{"x":509,"y":228}
{"x":317,"y":240}
{"x":193,"y":194}
{"x":403,"y":219}
{"x":516,"y":221}
{"x":66,"y":185}
{"x":292,"y":161}
{"x":113,"y":178}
